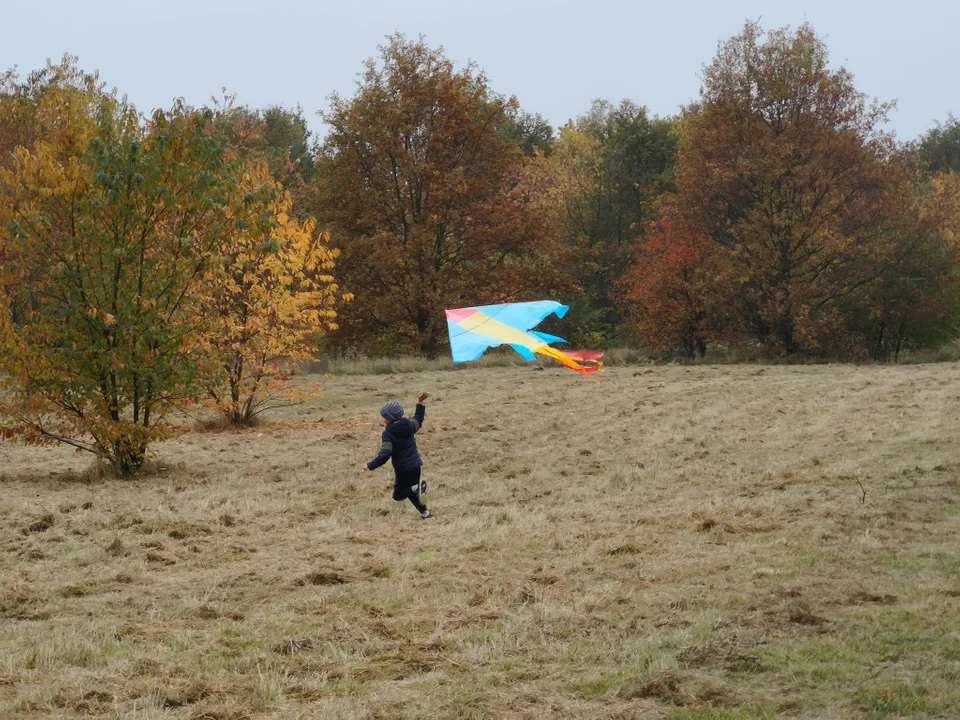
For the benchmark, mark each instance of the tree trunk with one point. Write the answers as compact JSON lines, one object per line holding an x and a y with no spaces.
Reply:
{"x":901,"y":331}
{"x":429,"y":342}
{"x":878,"y":345}
{"x":784,"y":333}
{"x":689,"y":343}
{"x":128,"y":456}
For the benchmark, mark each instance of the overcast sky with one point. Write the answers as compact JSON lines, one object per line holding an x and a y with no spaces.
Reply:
{"x":556,"y":57}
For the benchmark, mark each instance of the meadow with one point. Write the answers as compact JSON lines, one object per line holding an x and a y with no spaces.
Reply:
{"x":701,"y":541}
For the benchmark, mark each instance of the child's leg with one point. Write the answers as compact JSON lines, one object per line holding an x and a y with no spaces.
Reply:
{"x":407,"y":486}
{"x":420,"y":491}
{"x":414,"y":490}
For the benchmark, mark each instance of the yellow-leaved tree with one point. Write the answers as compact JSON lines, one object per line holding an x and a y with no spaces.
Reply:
{"x":270,"y":296}
{"x":570,"y":178}
{"x":108,"y":223}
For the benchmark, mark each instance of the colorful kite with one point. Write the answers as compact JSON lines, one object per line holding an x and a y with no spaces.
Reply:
{"x":474,"y":330}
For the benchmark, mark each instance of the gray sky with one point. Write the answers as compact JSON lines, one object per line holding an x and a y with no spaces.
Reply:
{"x":556,"y":57}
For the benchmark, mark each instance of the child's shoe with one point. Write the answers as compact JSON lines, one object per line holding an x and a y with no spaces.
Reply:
{"x":427,"y":515}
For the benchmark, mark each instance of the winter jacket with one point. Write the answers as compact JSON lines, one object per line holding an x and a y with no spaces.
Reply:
{"x":398,"y":443}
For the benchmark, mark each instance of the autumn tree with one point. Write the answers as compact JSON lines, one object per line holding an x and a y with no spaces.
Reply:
{"x":57,"y":104}
{"x":17,"y":116}
{"x":561,"y":189}
{"x":421,"y":189}
{"x":939,"y":148}
{"x":676,"y":296}
{"x":632,"y":156}
{"x":945,"y":196}
{"x":530,"y":131}
{"x":783,"y":164}
{"x":107,"y":224}
{"x":36,"y":107}
{"x":638,"y":154}
{"x":277,"y":136}
{"x":915,"y":303}
{"x":269,"y":296}
{"x":565,"y":184}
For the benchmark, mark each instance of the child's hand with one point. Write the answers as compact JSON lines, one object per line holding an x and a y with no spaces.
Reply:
{"x":422,"y":397}
{"x":364,"y":467}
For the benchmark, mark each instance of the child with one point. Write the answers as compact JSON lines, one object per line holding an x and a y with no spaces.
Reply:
{"x":398,"y":443}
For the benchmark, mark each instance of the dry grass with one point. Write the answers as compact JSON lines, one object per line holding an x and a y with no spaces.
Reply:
{"x":496,"y":358}
{"x":684,"y":542}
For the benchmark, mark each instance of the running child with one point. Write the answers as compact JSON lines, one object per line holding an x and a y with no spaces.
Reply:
{"x":399,"y":445}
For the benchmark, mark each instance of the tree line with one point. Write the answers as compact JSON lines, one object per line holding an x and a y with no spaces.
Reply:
{"x":196,"y":254}
{"x":774,"y":212}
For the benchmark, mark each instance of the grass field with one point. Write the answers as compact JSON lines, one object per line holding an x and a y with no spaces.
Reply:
{"x":670,"y":541}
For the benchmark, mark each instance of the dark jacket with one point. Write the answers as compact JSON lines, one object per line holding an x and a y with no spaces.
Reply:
{"x":399,"y":444}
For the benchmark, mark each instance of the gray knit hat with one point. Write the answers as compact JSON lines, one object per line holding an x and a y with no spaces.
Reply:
{"x":392,"y":410}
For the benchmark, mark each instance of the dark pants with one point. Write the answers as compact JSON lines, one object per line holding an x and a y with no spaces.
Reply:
{"x":407,"y":487}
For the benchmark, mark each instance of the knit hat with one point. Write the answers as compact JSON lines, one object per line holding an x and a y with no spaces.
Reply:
{"x":392,"y":410}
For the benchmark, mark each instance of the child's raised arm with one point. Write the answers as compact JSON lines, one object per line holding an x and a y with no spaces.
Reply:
{"x":420,"y":412}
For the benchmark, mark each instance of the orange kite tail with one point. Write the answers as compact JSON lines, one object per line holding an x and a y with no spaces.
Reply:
{"x":568,"y":361}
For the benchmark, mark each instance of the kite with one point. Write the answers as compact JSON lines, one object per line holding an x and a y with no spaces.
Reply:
{"x":476,"y":329}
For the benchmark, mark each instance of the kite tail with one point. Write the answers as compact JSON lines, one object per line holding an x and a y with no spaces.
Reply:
{"x":568,"y":362}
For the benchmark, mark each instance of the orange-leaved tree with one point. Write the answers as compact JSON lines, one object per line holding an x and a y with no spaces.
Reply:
{"x":107,"y":223}
{"x":421,"y":187}
{"x":677,"y":295}
{"x":783,"y":164}
{"x":270,"y":296}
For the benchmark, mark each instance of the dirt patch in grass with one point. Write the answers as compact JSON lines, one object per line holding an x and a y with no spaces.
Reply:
{"x":324,"y":578}
{"x":680,"y":688}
